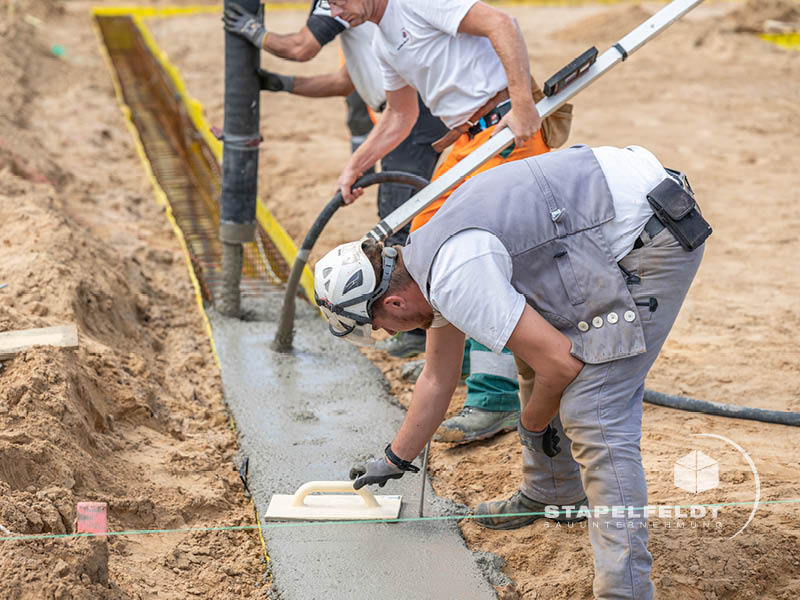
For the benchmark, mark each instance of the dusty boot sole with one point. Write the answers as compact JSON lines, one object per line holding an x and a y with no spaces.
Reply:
{"x":516,"y":525}
{"x":524,"y":521}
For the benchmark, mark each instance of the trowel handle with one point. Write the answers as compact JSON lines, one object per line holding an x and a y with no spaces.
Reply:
{"x":332,"y":486}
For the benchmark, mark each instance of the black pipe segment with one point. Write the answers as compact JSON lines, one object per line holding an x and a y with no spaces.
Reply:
{"x":722,"y":410}
{"x":239,"y":157}
{"x":285,"y":334}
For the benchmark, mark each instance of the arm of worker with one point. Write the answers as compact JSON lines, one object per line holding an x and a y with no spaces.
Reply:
{"x":506,"y":39}
{"x":393,"y":127}
{"x":547,"y":351}
{"x":337,"y":83}
{"x":301,"y":46}
{"x":444,"y":351}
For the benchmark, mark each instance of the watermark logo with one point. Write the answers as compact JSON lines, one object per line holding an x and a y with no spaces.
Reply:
{"x":708,"y":473}
{"x":696,"y":472}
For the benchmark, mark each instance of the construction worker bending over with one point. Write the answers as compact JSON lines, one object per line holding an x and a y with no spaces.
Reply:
{"x":469,"y":63}
{"x":359,"y":80}
{"x":546,"y":256}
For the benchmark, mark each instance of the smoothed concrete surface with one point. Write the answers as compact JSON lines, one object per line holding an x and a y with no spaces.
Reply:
{"x":309,"y":416}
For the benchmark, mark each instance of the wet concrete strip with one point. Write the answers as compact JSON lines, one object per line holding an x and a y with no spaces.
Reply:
{"x":309,"y":416}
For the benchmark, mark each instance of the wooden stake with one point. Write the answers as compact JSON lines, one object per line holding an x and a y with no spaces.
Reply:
{"x":12,"y":342}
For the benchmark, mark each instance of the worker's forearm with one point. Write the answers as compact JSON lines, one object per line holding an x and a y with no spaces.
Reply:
{"x":510,"y":46}
{"x":428,"y":407}
{"x":391,"y":129}
{"x":545,"y":400}
{"x":322,"y":86}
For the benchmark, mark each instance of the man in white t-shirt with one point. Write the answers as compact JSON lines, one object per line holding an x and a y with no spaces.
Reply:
{"x":469,"y":63}
{"x":544,"y":256}
{"x":464,"y":57}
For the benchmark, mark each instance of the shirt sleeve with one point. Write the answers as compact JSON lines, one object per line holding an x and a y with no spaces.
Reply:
{"x":471,"y":288}
{"x":445,"y":16}
{"x":323,"y":28}
{"x":392,"y":80}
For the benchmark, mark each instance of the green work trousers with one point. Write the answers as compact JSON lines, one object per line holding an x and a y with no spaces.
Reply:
{"x":492,"y":382}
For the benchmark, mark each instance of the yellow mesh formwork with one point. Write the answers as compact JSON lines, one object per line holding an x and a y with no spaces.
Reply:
{"x":182,"y":163}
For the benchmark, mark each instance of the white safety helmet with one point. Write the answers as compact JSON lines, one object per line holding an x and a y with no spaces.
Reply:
{"x":345,"y":289}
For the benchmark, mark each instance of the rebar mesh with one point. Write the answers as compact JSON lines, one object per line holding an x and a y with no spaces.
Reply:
{"x":183,"y":164}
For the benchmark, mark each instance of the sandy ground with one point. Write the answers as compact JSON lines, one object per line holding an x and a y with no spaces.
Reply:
{"x":134,"y":416}
{"x":83,"y":241}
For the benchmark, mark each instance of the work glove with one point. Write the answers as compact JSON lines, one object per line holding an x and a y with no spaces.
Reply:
{"x":237,"y":20}
{"x":374,"y":471}
{"x":275,"y":82}
{"x":540,"y":441}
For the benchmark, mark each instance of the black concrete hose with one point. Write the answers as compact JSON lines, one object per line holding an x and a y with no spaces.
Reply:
{"x":722,"y":410}
{"x":285,"y":334}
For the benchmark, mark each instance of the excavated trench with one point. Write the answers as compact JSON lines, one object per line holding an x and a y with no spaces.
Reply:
{"x":183,"y":164}
{"x":302,"y":416}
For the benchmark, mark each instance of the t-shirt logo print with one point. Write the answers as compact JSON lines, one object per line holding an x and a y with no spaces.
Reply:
{"x":405,"y":37}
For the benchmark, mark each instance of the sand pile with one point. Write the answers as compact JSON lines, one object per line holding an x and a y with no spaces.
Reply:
{"x":133,"y":417}
{"x":606,"y":26}
{"x":764,"y":16}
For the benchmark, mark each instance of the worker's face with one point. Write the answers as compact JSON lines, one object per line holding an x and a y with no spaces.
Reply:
{"x":355,"y":12}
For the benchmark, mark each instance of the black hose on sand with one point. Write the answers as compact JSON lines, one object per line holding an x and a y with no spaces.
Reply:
{"x":722,"y":410}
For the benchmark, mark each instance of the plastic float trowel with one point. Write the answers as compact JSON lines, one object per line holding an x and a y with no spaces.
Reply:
{"x":337,"y":501}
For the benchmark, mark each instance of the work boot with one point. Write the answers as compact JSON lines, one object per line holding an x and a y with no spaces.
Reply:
{"x":473,"y":424}
{"x":403,"y":345}
{"x":518,"y":503}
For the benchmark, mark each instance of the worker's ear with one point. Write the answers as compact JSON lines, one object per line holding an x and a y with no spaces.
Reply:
{"x":394,"y":304}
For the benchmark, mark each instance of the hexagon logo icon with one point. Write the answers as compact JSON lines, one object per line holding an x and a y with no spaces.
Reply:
{"x":696,"y":472}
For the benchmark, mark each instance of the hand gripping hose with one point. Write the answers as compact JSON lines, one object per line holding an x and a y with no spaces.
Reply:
{"x":285,"y":334}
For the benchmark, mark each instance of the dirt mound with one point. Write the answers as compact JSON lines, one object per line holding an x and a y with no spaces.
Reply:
{"x":606,"y":26}
{"x":132,"y":417}
{"x":759,"y":16}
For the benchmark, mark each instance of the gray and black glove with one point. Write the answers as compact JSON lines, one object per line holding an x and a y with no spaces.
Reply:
{"x":237,"y":20}
{"x":275,"y":82}
{"x":374,"y":471}
{"x":540,"y":441}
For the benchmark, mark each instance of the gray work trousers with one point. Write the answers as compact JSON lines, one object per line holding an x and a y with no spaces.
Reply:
{"x":601,"y":417}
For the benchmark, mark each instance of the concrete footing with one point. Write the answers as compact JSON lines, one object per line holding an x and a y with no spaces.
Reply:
{"x":309,"y":415}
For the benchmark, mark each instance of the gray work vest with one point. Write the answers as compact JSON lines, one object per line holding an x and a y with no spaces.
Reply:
{"x":547,"y":212}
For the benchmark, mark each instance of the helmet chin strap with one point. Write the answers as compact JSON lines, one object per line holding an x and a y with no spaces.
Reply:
{"x":389,"y":256}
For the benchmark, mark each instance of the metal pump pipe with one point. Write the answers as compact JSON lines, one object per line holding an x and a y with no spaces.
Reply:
{"x":285,"y":334}
{"x":239,"y":159}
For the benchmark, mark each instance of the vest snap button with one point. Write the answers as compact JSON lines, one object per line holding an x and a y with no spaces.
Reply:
{"x":583,"y":326}
{"x":612,"y":317}
{"x":597,"y":322}
{"x":629,"y":316}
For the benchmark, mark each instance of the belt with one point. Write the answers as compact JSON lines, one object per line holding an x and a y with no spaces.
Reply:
{"x":451,"y":136}
{"x":490,"y":119}
{"x":653,"y":227}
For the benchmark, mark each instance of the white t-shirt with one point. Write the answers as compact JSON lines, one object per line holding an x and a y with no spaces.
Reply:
{"x":364,"y":70}
{"x":359,"y":58}
{"x":418,"y":44}
{"x":475,"y":255}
